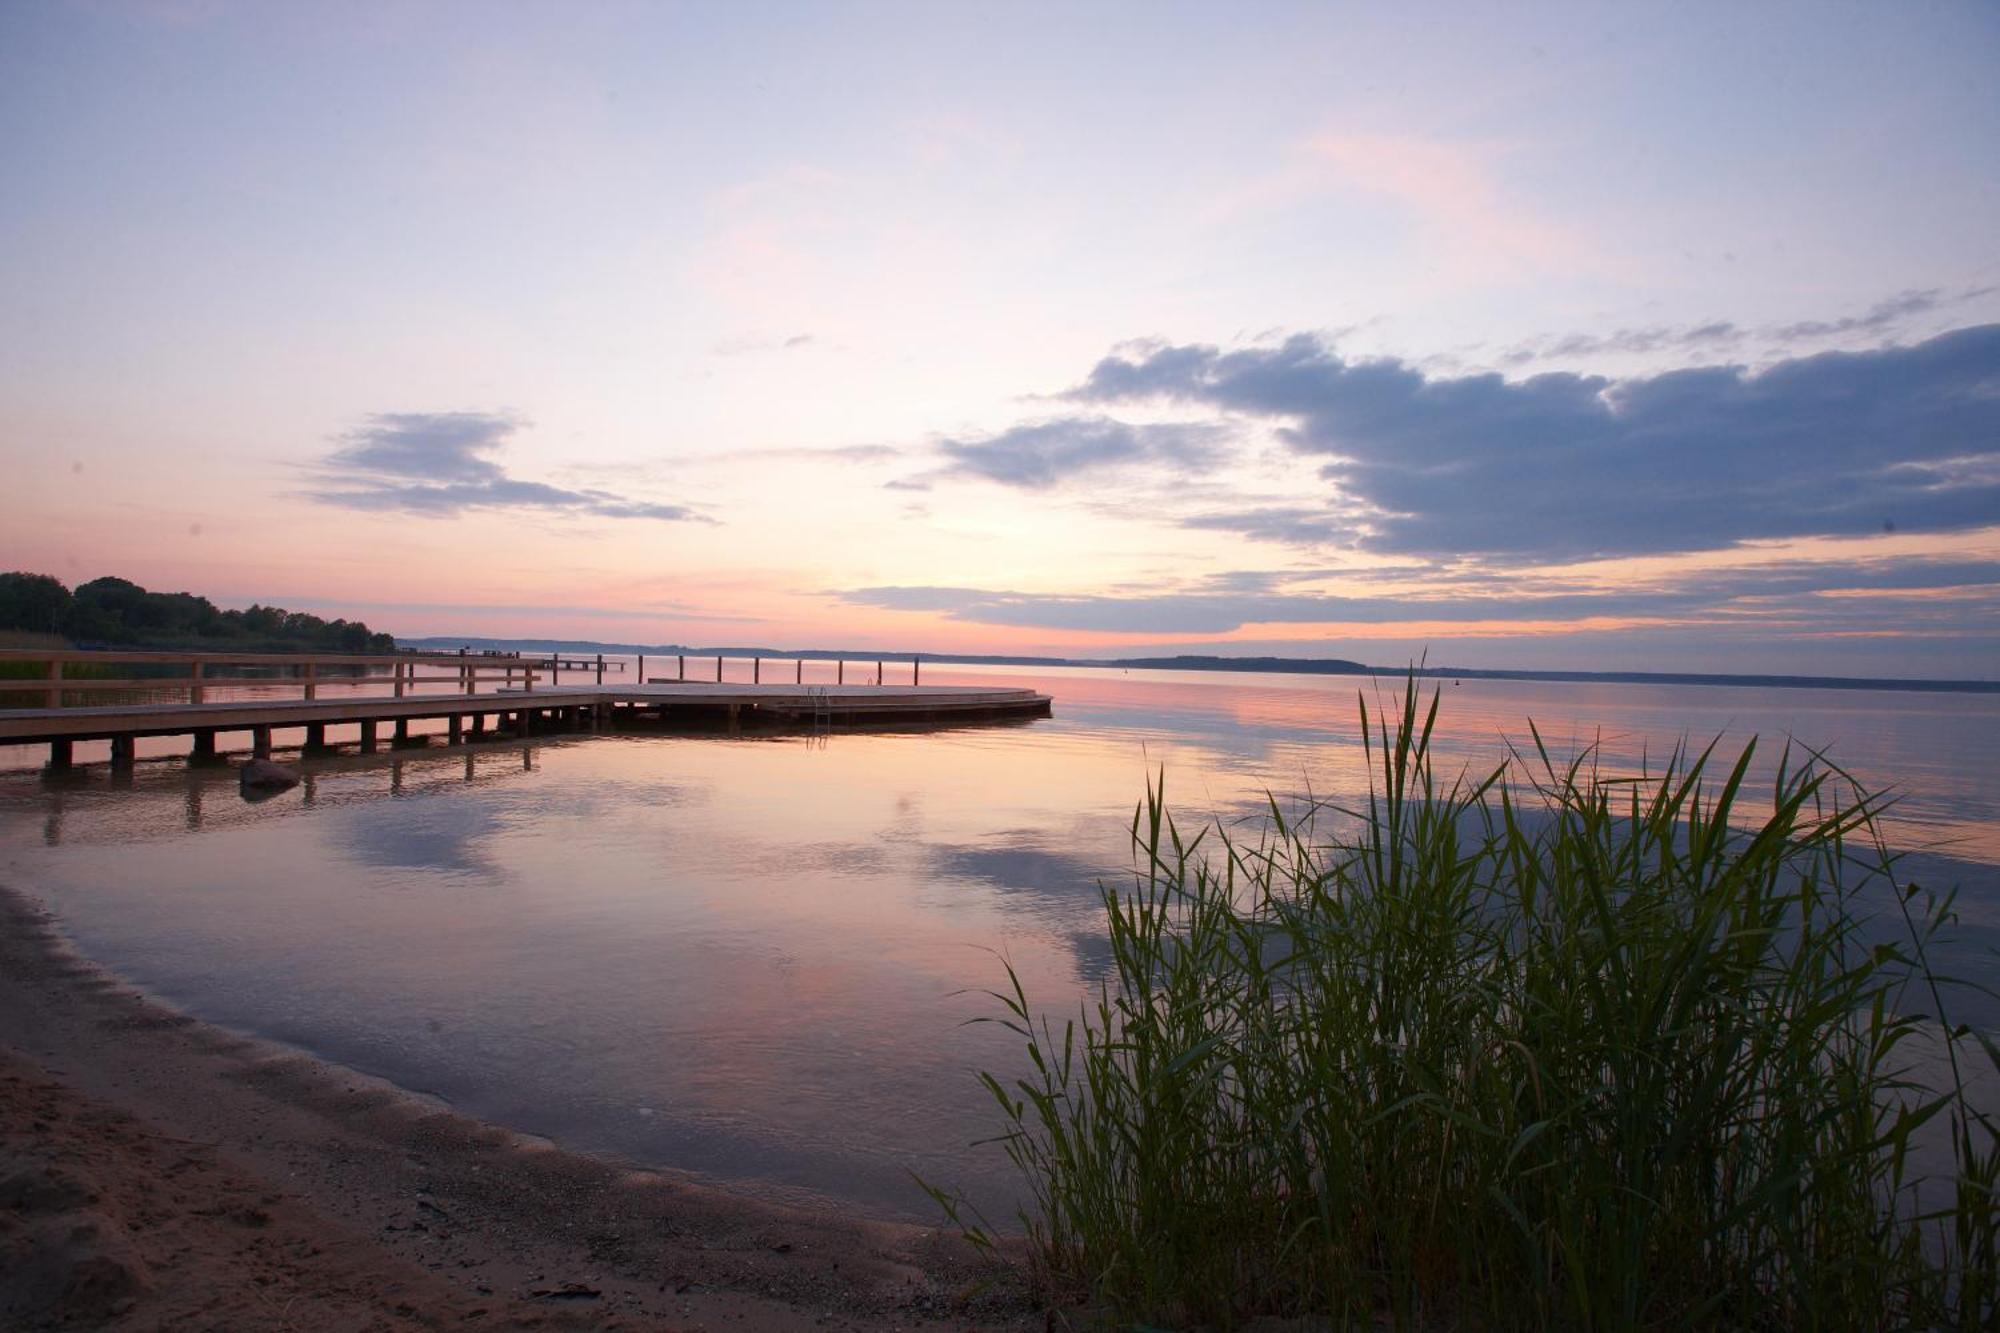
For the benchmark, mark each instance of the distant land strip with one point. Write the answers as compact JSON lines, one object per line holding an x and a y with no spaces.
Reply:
{"x":1305,"y":666}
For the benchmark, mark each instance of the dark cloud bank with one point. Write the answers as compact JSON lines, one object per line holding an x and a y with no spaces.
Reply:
{"x":1487,"y":475}
{"x":1556,"y":466}
{"x":1572,"y":466}
{"x":439,"y":463}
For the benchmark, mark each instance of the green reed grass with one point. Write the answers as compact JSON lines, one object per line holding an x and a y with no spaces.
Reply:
{"x":1533,"y":1049}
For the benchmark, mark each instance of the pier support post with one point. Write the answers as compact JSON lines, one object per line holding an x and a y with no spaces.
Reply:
{"x":454,"y":729}
{"x":478,"y":726}
{"x":202,"y":751}
{"x":368,"y":738}
{"x":62,"y":756}
{"x":260,"y":742}
{"x":735,"y":718}
{"x":315,"y":738}
{"x":402,"y":731}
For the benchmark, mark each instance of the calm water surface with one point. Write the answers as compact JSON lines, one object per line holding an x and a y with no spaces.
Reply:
{"x":749,"y":957}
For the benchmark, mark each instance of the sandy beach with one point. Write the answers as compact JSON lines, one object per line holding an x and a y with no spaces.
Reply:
{"x":158,"y":1172}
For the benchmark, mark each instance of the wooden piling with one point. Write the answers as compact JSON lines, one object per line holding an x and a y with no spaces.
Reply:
{"x":124,"y":750}
{"x":62,"y":755}
{"x":202,"y":749}
{"x":368,"y":737}
{"x":315,"y":737}
{"x":454,"y":729}
{"x":260,"y":742}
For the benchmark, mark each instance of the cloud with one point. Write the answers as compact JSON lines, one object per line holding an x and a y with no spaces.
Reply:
{"x":1289,"y":525}
{"x":1884,"y":317}
{"x":756,"y":343}
{"x":439,"y":463}
{"x":1713,"y":336}
{"x":1038,"y":455}
{"x":1878,"y":317}
{"x":1874,"y":595}
{"x":1563,"y":466}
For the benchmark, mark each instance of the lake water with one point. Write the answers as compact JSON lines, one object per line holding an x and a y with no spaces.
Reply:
{"x":750,"y":958}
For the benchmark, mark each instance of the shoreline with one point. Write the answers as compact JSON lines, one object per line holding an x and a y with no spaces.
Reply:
{"x":415,"y":1214}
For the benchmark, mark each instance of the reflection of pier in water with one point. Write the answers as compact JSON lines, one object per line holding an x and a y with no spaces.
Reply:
{"x":472,"y":763}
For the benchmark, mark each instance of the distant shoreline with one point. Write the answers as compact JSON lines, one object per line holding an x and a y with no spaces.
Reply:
{"x":1306,"y":666}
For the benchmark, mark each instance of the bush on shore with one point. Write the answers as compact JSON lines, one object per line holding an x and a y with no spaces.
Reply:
{"x":118,"y":613}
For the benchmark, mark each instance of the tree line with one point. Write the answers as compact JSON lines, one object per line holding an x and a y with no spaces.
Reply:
{"x":118,"y":613}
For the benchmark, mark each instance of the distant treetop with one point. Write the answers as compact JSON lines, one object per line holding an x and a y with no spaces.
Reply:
{"x":118,"y":613}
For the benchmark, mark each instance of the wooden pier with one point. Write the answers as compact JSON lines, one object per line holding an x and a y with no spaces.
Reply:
{"x":428,"y":688}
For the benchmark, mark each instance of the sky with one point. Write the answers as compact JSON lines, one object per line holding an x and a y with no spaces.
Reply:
{"x":1605,"y":337}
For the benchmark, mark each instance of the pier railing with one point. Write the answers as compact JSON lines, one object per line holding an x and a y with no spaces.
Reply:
{"x":789,"y":667}
{"x":57,"y":675}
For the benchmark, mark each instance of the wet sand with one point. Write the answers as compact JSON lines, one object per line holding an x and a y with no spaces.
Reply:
{"x":158,"y":1172}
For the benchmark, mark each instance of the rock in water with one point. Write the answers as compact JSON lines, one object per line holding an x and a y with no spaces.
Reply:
{"x":263,"y":775}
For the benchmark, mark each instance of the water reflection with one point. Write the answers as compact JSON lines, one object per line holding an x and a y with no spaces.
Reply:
{"x":748,"y":956}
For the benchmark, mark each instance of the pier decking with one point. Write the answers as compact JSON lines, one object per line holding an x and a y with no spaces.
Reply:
{"x":518,"y":705}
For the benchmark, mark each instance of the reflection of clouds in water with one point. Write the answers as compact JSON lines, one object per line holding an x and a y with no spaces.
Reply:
{"x":428,"y":834}
{"x":446,"y":829}
{"x":1063,"y":879}
{"x":1094,"y":961}
{"x":1061,"y":884}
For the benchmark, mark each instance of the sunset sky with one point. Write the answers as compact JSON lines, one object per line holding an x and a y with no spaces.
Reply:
{"x":1599,"y":336}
